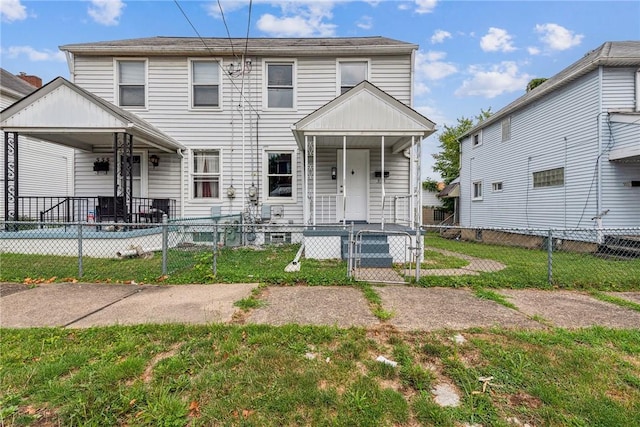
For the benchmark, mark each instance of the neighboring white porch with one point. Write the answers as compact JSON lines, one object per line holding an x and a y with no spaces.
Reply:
{"x":375,"y":141}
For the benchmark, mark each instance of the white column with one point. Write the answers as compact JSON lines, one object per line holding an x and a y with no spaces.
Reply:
{"x":344,"y":180}
{"x":413,"y":182}
{"x":305,"y":196}
{"x":382,"y":179}
{"x":315,"y":177}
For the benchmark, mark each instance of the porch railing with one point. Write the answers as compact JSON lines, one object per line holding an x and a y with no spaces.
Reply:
{"x":398,"y":208}
{"x":326,"y":208}
{"x":55,"y":209}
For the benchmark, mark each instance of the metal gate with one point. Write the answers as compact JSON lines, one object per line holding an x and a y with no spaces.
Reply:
{"x":383,"y":256}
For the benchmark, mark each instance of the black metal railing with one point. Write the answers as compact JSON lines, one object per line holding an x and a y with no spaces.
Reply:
{"x":94,"y":209}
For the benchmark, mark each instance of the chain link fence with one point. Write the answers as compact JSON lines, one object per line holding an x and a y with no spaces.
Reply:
{"x":232,"y":249}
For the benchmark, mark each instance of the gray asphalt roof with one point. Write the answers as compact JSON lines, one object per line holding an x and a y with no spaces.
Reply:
{"x":15,"y":83}
{"x":612,"y":54}
{"x":255,"y":46}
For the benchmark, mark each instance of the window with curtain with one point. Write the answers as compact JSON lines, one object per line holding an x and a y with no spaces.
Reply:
{"x":280,"y":170}
{"x":206,"y":174}
{"x":280,"y":85}
{"x":352,"y":73}
{"x":205,"y":79}
{"x":131,"y":83}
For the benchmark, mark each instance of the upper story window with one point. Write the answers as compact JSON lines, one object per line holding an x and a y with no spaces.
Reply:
{"x":205,"y":84}
{"x":506,"y":129}
{"x":548,"y":178}
{"x":205,"y":174}
{"x":280,"y":85}
{"x":280,"y":174}
{"x":351,"y":73}
{"x":496,"y":186}
{"x":132,"y":83}
{"x":476,"y":139}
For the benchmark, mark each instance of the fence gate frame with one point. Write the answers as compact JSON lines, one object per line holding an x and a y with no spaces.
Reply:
{"x":406,"y":253}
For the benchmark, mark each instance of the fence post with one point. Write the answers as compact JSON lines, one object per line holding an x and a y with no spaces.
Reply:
{"x":550,"y":257}
{"x":165,"y":243}
{"x":215,"y":250}
{"x":350,"y":251}
{"x":80,"y":267}
{"x":418,"y":252}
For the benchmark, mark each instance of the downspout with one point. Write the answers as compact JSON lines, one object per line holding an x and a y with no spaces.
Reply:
{"x":599,"y":144}
{"x":181,"y":154}
{"x":344,"y":180}
{"x":382,"y":178}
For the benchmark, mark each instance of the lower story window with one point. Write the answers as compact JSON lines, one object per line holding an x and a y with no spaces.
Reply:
{"x":280,"y":170}
{"x":206,"y":174}
{"x":477,"y":190}
{"x":548,"y":178}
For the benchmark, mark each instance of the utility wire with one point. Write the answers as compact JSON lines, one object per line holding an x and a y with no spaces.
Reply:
{"x":204,"y":43}
{"x":246,"y":42}
{"x":224,"y":21}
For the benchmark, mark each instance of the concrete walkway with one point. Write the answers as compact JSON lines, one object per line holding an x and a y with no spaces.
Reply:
{"x":412,"y":308}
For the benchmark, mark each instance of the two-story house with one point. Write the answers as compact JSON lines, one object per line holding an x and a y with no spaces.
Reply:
{"x":309,"y":130}
{"x":564,"y":155}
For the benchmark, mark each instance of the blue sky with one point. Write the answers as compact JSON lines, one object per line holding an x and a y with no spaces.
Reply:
{"x":473,"y":54}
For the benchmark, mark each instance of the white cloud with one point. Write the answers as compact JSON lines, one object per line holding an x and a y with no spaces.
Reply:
{"x":403,"y":6}
{"x":366,"y":23}
{"x":430,"y":66}
{"x":12,"y":10}
{"x":106,"y":12}
{"x":303,"y":18}
{"x":498,"y":79}
{"x":439,"y":36}
{"x":33,"y":54}
{"x":228,"y":6}
{"x":496,"y":40}
{"x":556,"y":37}
{"x":533,"y":50}
{"x":425,"y":6}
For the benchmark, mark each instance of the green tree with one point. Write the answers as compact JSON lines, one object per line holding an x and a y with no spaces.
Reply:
{"x":447,"y":162}
{"x":534,"y":83}
{"x":430,"y":185}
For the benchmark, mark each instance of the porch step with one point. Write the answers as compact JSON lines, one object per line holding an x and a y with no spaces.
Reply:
{"x":374,"y":251}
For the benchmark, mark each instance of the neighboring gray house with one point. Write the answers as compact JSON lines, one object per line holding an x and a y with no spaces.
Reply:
{"x":563,"y":155}
{"x":45,"y":169}
{"x":211,"y":127}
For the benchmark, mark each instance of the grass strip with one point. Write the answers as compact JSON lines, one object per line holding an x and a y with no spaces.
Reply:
{"x":615,"y":300}
{"x":488,"y":294}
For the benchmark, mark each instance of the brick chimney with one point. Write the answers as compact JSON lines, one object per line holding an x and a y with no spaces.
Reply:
{"x":32,"y":80}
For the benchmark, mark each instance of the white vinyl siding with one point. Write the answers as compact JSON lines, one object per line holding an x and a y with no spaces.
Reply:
{"x":131,"y":81}
{"x":169,"y":107}
{"x":537,"y":143}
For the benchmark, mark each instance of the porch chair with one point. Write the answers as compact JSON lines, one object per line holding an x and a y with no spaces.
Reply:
{"x":106,"y":211}
{"x":154,"y":212}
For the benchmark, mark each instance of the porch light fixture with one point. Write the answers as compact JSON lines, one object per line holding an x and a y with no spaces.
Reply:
{"x":154,"y":160}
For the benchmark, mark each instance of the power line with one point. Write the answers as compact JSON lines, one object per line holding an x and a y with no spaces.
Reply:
{"x":224,"y":21}
{"x":204,"y":43}
{"x":246,"y":43}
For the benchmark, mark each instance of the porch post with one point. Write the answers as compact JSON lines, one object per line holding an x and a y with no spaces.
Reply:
{"x":419,"y":182}
{"x":315,"y":178}
{"x":413,"y":181}
{"x":382,"y":180}
{"x":305,"y":198}
{"x":344,"y":179}
{"x":11,"y":193}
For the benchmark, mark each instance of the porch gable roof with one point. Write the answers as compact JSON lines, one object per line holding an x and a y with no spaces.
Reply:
{"x":365,"y":111}
{"x":64,"y":113}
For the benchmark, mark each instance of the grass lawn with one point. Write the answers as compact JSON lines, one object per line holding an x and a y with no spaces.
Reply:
{"x":528,"y":268}
{"x":177,"y":375}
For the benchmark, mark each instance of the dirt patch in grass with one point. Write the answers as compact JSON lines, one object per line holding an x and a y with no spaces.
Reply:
{"x":147,"y":375}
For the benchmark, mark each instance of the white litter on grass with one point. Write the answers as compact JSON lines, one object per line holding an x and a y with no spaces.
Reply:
{"x":310,"y":356}
{"x":445,"y":395}
{"x":386,"y":361}
{"x":459,"y":339}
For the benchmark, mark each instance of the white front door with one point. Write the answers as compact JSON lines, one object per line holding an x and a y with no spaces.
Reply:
{"x":355,"y":185}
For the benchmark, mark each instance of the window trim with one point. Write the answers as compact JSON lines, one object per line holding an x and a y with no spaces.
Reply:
{"x":294,"y":80}
{"x":339,"y":61}
{"x":507,"y":121}
{"x":116,"y":78}
{"x":192,"y":151}
{"x":495,"y":184}
{"x":220,"y":85}
{"x":533,"y":178}
{"x":473,"y":190}
{"x":473,"y":136}
{"x":265,"y":175}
